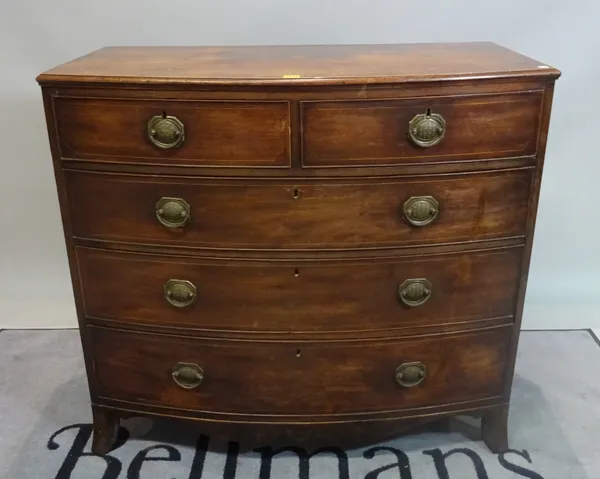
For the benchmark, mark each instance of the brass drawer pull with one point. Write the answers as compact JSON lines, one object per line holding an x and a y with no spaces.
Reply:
{"x":415,"y":292}
{"x":166,"y":131}
{"x":187,"y":375}
{"x":427,"y":129}
{"x":173,"y":212}
{"x":180,"y":293}
{"x":412,"y":374}
{"x":421,"y":210}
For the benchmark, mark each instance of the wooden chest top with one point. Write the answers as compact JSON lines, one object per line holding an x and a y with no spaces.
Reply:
{"x":297,"y":65}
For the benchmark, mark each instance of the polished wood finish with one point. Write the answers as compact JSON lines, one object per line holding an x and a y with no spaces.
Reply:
{"x":327,"y":378}
{"x":299,"y":214}
{"x":296,"y":297}
{"x":296,"y":164}
{"x":296,"y":65}
{"x":106,"y":429}
{"x":494,"y":428}
{"x":365,"y":133}
{"x":219,"y":133}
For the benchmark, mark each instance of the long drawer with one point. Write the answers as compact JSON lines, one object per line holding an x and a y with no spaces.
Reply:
{"x":438,"y":129}
{"x":305,"y":297}
{"x":298,"y":379}
{"x":286,"y":215}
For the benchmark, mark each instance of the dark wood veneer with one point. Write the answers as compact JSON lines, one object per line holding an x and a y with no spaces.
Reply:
{"x":331,"y":215}
{"x":366,"y":133}
{"x":217,"y":133}
{"x":255,"y":296}
{"x":327,"y":378}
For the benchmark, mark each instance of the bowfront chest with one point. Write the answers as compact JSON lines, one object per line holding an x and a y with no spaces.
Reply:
{"x":310,"y":237}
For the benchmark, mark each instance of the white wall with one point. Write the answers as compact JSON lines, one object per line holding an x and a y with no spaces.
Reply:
{"x":564,"y":288}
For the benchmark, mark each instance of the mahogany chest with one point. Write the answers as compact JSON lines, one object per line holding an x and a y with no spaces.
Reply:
{"x":311,"y":236}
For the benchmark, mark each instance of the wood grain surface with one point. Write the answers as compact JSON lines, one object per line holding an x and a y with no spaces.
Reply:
{"x":299,"y":297}
{"x":313,"y":64}
{"x":295,"y":378}
{"x":298,"y":215}
{"x":219,"y":133}
{"x":365,"y":133}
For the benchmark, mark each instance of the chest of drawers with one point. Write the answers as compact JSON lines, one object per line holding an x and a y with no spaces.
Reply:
{"x":299,"y":236}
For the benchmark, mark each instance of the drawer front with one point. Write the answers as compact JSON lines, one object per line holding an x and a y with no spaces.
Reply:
{"x":304,"y":215}
{"x":311,"y":297}
{"x":209,"y":133}
{"x":364,"y":132}
{"x":319,"y":378}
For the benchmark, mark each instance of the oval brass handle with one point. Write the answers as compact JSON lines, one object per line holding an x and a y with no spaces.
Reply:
{"x":427,"y":129}
{"x":166,"y":131}
{"x":187,"y":375}
{"x":415,"y":292}
{"x":421,"y":210}
{"x":173,"y":212}
{"x":412,"y":374}
{"x":180,"y":293}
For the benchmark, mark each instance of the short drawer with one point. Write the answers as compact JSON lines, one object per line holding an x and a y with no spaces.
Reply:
{"x":438,"y":129}
{"x":298,"y":379}
{"x":255,"y":214}
{"x":305,"y":297}
{"x":203,"y":133}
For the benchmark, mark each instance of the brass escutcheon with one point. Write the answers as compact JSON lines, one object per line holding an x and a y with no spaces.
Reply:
{"x":187,"y":375}
{"x":173,"y":212}
{"x":166,"y":131}
{"x":427,"y":129}
{"x":415,"y":292}
{"x":180,"y":293}
{"x":421,"y":210}
{"x":411,"y":374}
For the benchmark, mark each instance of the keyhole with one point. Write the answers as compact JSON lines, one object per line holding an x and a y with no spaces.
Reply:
{"x":296,"y":193}
{"x":164,"y":114}
{"x":298,"y":353}
{"x":296,"y":272}
{"x":428,"y":112}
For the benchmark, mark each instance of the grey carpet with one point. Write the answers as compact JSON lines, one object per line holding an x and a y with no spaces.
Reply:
{"x":45,"y":426}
